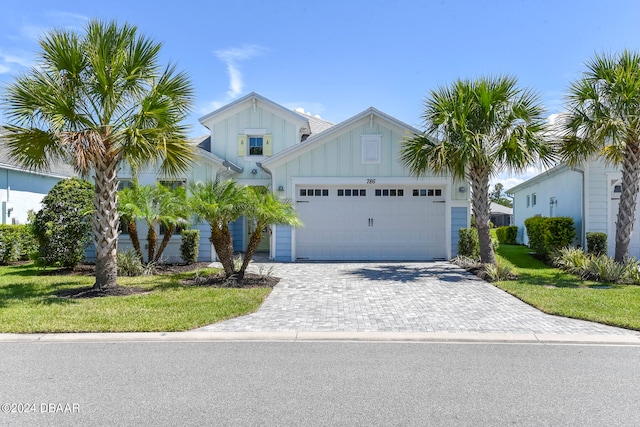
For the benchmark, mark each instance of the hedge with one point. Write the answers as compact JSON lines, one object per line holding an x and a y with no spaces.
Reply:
{"x":507,"y":235}
{"x":548,"y":235}
{"x":468,"y":245}
{"x":17,"y":242}
{"x":596,"y":243}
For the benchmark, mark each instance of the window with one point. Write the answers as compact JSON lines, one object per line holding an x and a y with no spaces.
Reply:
{"x":255,"y":145}
{"x":528,"y":200}
{"x":353,"y":192}
{"x":390,"y":192}
{"x":533,"y":199}
{"x":426,"y":192}
{"x":617,"y":188}
{"x":124,"y":183}
{"x":314,"y":192}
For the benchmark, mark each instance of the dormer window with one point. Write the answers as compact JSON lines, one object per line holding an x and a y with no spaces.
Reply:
{"x":255,"y":146}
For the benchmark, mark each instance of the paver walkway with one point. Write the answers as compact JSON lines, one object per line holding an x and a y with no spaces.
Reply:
{"x":395,"y":297}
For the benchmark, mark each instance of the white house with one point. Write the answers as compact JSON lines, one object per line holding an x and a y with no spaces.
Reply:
{"x":589,"y":194}
{"x":23,"y":190}
{"x":355,"y":199}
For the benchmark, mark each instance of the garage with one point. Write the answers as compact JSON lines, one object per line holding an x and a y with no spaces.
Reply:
{"x":383,"y":223}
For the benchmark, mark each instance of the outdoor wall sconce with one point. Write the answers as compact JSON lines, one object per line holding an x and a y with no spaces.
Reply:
{"x":281,"y":188}
{"x":254,"y":171}
{"x":462,"y":189}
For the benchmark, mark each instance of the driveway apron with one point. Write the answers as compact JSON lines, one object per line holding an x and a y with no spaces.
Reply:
{"x":395,"y":297}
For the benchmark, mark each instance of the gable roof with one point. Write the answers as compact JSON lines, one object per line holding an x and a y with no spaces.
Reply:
{"x":318,"y":139}
{"x":538,"y":178}
{"x":497,"y":208}
{"x":57,"y":170}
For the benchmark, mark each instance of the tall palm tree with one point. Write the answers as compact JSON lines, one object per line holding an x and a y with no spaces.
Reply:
{"x":265,"y":209}
{"x":474,"y":130}
{"x":96,"y":100}
{"x":219,"y":203}
{"x":603,"y":119}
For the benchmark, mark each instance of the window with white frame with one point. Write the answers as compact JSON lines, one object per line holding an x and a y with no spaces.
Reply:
{"x":256,"y":144}
{"x":528,"y":200}
{"x":533,"y":199}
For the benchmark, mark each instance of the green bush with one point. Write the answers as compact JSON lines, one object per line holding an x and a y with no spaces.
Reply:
{"x":190,"y":246}
{"x":16,"y":242}
{"x":507,"y":235}
{"x":63,"y":226}
{"x":596,"y":243}
{"x":468,"y":245}
{"x":549,"y":235}
{"x":129,"y":263}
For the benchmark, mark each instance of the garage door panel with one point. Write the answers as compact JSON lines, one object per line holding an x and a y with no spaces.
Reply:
{"x":370,"y":227}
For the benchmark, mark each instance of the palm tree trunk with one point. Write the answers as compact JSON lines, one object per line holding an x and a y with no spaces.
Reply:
{"x":165,"y":241}
{"x":479,"y":178}
{"x":106,"y":224}
{"x":254,"y":242}
{"x":221,"y":239}
{"x":152,"y":241}
{"x":628,"y":199}
{"x":132,"y":229}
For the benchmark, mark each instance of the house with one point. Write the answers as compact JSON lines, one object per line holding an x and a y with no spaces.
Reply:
{"x":589,"y":194}
{"x":22,"y":190}
{"x":500,"y":215}
{"x":354,"y":197}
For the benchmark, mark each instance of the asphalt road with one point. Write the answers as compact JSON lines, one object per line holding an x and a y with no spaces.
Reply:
{"x":323,"y":384}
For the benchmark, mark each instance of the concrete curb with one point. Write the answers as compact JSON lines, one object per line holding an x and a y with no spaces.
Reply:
{"x":301,"y":336}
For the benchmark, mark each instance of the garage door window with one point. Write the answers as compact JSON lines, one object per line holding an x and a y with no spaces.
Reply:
{"x":352,"y":192}
{"x":390,"y":192}
{"x":314,"y":192}
{"x":427,"y":192}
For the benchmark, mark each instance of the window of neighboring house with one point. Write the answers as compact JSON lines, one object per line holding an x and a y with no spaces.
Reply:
{"x":528,"y":200}
{"x":533,"y":199}
{"x":255,"y":145}
{"x":172,"y":184}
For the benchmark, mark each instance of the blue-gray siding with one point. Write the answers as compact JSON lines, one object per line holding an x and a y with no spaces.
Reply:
{"x":204,"y":250}
{"x":237,"y":234}
{"x":283,"y":243}
{"x":458,"y":220}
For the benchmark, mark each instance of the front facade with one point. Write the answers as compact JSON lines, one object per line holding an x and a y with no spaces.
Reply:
{"x":22,"y":190}
{"x":355,"y":199}
{"x":589,"y":194}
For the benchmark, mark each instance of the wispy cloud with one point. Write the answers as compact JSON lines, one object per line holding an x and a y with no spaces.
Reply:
{"x":232,"y":57}
{"x":9,"y":61}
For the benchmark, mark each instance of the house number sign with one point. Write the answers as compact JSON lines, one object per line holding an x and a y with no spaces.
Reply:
{"x":371,"y":181}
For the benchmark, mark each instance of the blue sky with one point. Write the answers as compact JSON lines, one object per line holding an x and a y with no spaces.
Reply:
{"x":337,"y":58}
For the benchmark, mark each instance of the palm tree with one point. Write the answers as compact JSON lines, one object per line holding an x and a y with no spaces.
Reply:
{"x":155,"y":205}
{"x":97,"y":100}
{"x":603,"y":119}
{"x":475,"y":130}
{"x":219,"y":203}
{"x":265,"y":209}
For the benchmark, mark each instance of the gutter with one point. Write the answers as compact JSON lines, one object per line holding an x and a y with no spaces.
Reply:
{"x":265,"y":170}
{"x":227,"y":164}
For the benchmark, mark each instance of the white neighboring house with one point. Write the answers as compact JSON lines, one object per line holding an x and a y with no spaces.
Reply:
{"x":22,"y":190}
{"x":589,"y":194}
{"x":500,"y":215}
{"x":355,"y":199}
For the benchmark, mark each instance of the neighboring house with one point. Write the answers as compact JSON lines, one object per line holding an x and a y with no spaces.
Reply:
{"x":21,"y":190}
{"x":500,"y":215}
{"x":355,"y":199}
{"x":589,"y":194}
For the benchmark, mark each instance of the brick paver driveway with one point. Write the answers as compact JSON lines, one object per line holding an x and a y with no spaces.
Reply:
{"x":402,"y":297}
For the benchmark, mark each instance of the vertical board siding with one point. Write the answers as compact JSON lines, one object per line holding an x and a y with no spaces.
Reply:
{"x":458,"y":220}
{"x":204,"y":250}
{"x":283,"y":243}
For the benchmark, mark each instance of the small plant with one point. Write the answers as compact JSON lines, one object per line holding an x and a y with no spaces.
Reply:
{"x":572,"y":260}
{"x":265,"y":272}
{"x":605,"y":269}
{"x":237,"y":262}
{"x":596,"y":243}
{"x":468,"y":245}
{"x":129,"y":263}
{"x":501,"y":270}
{"x":466,"y":262}
{"x":632,"y":271}
{"x":189,"y":246}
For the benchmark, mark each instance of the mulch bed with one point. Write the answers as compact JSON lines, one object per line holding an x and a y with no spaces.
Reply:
{"x":250,"y":280}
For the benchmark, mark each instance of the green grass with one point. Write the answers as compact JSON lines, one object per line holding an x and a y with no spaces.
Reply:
{"x":556,"y":292}
{"x":28,"y":304}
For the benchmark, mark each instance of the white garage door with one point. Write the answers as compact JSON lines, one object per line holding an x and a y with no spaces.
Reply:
{"x":370,"y":223}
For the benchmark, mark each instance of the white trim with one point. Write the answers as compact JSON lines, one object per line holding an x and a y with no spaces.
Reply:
{"x":254,"y":131}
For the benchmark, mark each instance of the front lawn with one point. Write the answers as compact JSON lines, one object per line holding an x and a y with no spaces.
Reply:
{"x":29,"y":303}
{"x":556,"y":292}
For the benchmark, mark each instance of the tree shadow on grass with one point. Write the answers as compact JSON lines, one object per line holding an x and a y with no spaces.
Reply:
{"x":403,"y":274}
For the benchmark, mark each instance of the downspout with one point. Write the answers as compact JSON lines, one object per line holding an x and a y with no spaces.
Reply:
{"x":583,"y":219}
{"x":265,"y":170}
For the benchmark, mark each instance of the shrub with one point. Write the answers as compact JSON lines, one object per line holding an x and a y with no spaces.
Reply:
{"x":549,"y":235}
{"x":631,"y":272}
{"x":596,"y":243}
{"x":16,"y":243}
{"x":129,"y":263}
{"x":572,"y":260}
{"x":468,"y":245}
{"x":63,"y":226}
{"x":605,"y":269}
{"x":507,"y":235}
{"x":501,"y":270}
{"x":190,"y":245}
